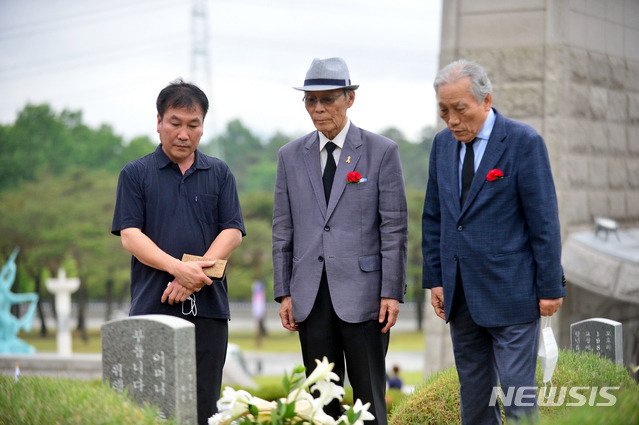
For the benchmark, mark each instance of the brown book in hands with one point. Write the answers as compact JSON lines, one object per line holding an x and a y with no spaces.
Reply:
{"x":215,"y":272}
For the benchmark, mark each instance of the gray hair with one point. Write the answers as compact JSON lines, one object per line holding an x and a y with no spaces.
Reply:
{"x":480,"y":85}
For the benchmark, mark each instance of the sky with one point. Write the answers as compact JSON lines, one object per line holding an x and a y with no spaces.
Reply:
{"x":110,"y":59}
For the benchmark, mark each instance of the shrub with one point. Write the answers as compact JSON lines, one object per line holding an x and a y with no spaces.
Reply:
{"x":436,"y":401}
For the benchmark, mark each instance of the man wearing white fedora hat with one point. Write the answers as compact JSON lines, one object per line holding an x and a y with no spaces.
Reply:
{"x":340,"y":233}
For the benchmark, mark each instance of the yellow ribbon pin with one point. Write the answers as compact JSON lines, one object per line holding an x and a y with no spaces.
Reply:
{"x":348,"y":160}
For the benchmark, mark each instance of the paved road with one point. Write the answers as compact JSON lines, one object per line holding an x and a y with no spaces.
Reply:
{"x":241,"y":316}
{"x":276,"y":363}
{"x":270,"y":363}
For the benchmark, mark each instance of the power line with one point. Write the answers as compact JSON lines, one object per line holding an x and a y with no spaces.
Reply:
{"x":126,"y":51}
{"x":201,"y":65}
{"x":122,"y":52}
{"x":46,"y":26}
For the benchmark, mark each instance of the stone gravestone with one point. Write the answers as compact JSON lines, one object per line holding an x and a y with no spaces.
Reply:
{"x":153,"y":357}
{"x":602,"y":337}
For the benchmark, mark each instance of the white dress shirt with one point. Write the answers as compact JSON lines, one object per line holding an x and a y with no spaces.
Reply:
{"x":339,"y":142}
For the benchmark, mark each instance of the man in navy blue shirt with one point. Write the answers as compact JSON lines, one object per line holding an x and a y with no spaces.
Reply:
{"x":173,"y":201}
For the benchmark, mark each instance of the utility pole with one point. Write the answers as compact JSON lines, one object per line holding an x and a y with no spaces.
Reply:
{"x":201,"y":69}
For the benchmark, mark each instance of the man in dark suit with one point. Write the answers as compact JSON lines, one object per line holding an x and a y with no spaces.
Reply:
{"x":491,"y":242}
{"x":340,"y":232}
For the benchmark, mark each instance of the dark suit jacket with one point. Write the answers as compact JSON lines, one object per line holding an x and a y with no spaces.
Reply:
{"x":361,"y":237}
{"x":506,"y":240}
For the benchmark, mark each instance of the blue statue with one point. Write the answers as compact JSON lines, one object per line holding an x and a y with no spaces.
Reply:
{"x":10,"y":325}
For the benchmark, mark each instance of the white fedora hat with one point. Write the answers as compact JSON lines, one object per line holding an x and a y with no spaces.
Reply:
{"x":327,"y":74}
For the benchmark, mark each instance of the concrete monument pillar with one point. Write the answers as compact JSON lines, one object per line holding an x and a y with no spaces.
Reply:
{"x":571,"y":70}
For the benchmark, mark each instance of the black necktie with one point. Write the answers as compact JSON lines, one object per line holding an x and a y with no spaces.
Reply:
{"x":329,"y":170}
{"x":468,"y":171}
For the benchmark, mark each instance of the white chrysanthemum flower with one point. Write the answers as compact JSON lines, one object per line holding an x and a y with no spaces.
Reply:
{"x":307,"y":410}
{"x":264,"y":408}
{"x":358,"y":407}
{"x":234,"y":402}
{"x":218,"y":418}
{"x":304,"y":408}
{"x":321,"y":418}
{"x":262,"y":404}
{"x":235,"y":406}
{"x":327,"y":392}
{"x":323,"y":370}
{"x":299,"y":394}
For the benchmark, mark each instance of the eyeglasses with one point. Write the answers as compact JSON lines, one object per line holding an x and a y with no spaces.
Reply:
{"x":325,"y":100}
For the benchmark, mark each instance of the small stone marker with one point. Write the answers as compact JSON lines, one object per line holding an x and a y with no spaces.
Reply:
{"x":153,"y":357}
{"x":602,"y":337}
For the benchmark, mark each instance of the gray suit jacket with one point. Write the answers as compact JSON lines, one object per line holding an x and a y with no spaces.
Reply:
{"x":361,"y":236}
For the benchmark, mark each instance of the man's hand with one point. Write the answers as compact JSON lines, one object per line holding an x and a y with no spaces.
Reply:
{"x":175,"y":293}
{"x":189,"y":278}
{"x":286,"y":314}
{"x":190,"y":274}
{"x":548,"y":307}
{"x":388,"y":310}
{"x":437,"y":300}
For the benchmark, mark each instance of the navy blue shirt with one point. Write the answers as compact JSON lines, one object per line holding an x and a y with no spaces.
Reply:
{"x":180,"y":214}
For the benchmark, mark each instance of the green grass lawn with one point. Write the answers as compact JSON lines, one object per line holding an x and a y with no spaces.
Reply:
{"x":44,"y":400}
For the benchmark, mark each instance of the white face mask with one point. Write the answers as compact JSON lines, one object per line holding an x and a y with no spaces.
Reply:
{"x":548,"y":353}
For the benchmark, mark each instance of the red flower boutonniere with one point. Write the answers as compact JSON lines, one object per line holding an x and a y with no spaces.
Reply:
{"x":354,"y":177}
{"x":494,"y":175}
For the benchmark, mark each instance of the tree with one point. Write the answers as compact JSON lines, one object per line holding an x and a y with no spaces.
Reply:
{"x":252,"y":259}
{"x":242,"y":150}
{"x":37,"y":141}
{"x":414,"y":156}
{"x":136,"y":148}
{"x":41,"y":142}
{"x":415,"y":199}
{"x":60,"y":219}
{"x":59,"y":212}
